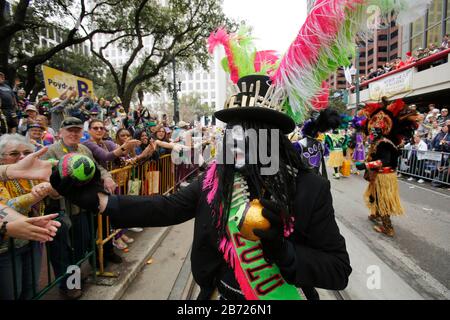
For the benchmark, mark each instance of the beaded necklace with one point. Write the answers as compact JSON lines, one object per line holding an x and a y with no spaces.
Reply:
{"x":16,"y":189}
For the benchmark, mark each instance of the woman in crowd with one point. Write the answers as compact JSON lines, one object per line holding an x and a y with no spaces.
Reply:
{"x":162,"y":141}
{"x":416,"y":157}
{"x":146,"y":142}
{"x":35,"y":134}
{"x":24,"y":196}
{"x":107,"y":153}
{"x":48,"y":135}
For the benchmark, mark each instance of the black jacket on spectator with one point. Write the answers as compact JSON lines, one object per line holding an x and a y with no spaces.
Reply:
{"x":321,"y":259}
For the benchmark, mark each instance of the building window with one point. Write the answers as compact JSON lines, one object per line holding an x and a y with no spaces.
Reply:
{"x":205,"y":86}
{"x":382,"y":59}
{"x":370,"y":62}
{"x":418,"y":26}
{"x":191,"y":76}
{"x":417,"y":42}
{"x":435,"y":35}
{"x":205,"y":76}
{"x":435,"y":13}
{"x":370,"y":52}
{"x":51,"y":33}
{"x":197,"y":76}
{"x":394,"y":46}
{"x":44,"y":43}
{"x":191,"y":86}
{"x":382,"y":49}
{"x":394,"y":34}
{"x":197,"y":86}
{"x":382,"y":37}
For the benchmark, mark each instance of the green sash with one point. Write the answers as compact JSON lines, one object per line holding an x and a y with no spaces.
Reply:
{"x":258,"y":279}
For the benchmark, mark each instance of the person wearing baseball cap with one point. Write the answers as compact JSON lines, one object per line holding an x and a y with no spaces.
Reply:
{"x":70,"y":134}
{"x":30,"y":116}
{"x":35,"y":134}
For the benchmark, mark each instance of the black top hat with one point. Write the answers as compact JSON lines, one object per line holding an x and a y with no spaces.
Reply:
{"x":256,"y":100}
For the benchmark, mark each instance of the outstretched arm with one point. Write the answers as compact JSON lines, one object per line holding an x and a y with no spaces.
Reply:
{"x":29,"y":167}
{"x":36,"y":229}
{"x":153,"y":211}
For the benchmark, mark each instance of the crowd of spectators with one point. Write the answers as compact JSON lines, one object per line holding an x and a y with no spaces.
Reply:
{"x":97,"y":128}
{"x":419,"y":54}
{"x":431,"y":135}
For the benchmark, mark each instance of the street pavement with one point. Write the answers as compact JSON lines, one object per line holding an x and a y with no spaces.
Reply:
{"x":411,"y":266}
{"x":420,"y":251}
{"x":157,"y":279}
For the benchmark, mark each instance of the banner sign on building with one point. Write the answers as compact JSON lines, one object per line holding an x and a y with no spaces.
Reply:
{"x":391,"y":86}
{"x":56,"y":82}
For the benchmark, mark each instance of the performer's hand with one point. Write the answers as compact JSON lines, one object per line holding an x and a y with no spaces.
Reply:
{"x":361,"y":165}
{"x":273,"y":243}
{"x":84,"y":196}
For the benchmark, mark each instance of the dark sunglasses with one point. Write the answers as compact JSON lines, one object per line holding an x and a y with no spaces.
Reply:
{"x":98,"y":128}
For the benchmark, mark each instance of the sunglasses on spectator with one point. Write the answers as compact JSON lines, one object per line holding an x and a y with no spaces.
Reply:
{"x":98,"y":128}
{"x":16,"y":154}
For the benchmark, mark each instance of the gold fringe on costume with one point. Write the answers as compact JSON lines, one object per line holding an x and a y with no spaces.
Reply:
{"x":384,"y":192}
{"x":336,"y":159}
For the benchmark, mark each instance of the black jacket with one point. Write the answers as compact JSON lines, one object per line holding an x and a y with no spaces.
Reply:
{"x":321,"y":259}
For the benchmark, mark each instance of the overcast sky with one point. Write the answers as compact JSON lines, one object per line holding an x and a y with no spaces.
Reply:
{"x":275,"y":22}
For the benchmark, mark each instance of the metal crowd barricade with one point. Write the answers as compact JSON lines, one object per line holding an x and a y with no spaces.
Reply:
{"x":45,"y":279}
{"x":432,"y":166}
{"x":151,"y":177}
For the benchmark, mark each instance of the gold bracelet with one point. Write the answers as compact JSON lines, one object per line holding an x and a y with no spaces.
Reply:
{"x":4,"y":174}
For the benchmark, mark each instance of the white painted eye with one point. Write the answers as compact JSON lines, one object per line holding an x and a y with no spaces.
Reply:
{"x":237,"y":132}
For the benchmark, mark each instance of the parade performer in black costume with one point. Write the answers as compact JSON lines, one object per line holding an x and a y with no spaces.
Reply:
{"x":310,"y":147}
{"x":256,"y":236}
{"x":388,"y":125}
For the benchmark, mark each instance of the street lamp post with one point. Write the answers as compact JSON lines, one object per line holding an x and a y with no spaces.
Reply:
{"x":174,"y":91}
{"x":357,"y":76}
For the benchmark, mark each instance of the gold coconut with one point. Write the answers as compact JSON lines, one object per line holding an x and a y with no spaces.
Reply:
{"x":253,"y":219}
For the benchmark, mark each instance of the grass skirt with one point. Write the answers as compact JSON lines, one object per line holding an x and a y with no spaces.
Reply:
{"x":382,"y":195}
{"x":336,"y":159}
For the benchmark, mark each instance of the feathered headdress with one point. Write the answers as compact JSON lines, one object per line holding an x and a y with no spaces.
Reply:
{"x":395,"y":120}
{"x":325,"y":42}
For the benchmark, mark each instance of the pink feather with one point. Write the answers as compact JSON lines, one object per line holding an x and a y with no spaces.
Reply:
{"x":266,"y":57}
{"x":211,"y":182}
{"x":221,"y":37}
{"x":318,"y":31}
{"x":231,"y":258}
{"x":320,"y":101}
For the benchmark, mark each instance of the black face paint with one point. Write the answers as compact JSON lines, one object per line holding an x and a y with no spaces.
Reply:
{"x":375,"y":134}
